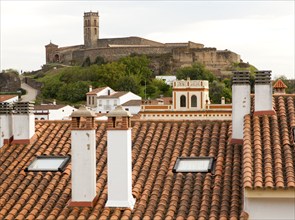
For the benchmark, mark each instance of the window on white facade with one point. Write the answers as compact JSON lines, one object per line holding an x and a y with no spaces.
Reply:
{"x":115,"y":102}
{"x":194,"y":164}
{"x":48,"y":163}
{"x":92,"y":100}
{"x":194,"y":101}
{"x":182,"y":101}
{"x":99,"y":103}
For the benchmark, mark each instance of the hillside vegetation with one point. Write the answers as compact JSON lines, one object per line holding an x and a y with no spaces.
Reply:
{"x":133,"y":73}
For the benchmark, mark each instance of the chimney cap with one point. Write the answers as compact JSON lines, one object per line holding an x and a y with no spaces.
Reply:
{"x":119,"y":111}
{"x":83,"y":112}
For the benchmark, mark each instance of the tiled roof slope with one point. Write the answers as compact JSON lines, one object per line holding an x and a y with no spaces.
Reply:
{"x":279,"y":85}
{"x":159,"y":193}
{"x":268,"y":151}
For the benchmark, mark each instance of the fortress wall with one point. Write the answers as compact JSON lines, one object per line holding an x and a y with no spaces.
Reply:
{"x":176,"y":44}
{"x":112,"y":54}
{"x":127,"y":41}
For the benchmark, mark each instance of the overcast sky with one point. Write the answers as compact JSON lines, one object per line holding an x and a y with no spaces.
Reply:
{"x":262,"y":32}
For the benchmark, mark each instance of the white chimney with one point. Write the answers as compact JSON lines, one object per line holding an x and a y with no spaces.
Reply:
{"x":23,"y":121}
{"x":54,"y":102}
{"x":241,"y":104}
{"x":263,"y":93}
{"x":5,"y":123}
{"x":90,"y":88}
{"x":83,"y":147}
{"x":119,"y":159}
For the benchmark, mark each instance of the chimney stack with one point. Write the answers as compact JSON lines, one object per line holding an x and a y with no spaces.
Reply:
{"x":6,"y":134}
{"x":119,"y":159}
{"x":241,"y":104}
{"x":23,"y":122}
{"x":263,"y":93}
{"x":90,"y":88}
{"x":83,"y":147}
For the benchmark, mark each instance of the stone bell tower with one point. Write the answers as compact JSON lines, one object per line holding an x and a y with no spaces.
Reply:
{"x":91,"y":29}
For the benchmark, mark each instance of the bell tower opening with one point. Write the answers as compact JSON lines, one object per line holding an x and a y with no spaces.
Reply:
{"x":91,"y":29}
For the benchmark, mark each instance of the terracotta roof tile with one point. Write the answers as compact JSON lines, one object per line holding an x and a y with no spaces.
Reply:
{"x":95,"y":91}
{"x":159,"y":193}
{"x":279,"y":84}
{"x":268,"y":142}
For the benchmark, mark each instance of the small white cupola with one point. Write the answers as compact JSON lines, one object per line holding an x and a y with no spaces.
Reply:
{"x":119,"y":159}
{"x":6,"y":134}
{"x":263,"y":93}
{"x":23,"y":122}
{"x":83,"y":148}
{"x":241,"y":104}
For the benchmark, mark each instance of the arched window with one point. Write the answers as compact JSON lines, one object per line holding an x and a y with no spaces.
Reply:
{"x":194,"y":101}
{"x":94,"y":22}
{"x":85,"y":23}
{"x":88,"y":22}
{"x":95,"y":30}
{"x":182,"y":101}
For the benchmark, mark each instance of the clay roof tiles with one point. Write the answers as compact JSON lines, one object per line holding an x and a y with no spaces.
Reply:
{"x":279,"y":85}
{"x":268,"y":151}
{"x":159,"y":192}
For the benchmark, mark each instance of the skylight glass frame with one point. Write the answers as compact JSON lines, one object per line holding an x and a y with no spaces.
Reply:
{"x":180,"y":166}
{"x":48,"y":164}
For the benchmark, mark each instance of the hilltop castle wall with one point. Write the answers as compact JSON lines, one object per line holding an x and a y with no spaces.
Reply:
{"x":115,"y":53}
{"x":111,"y":49}
{"x":127,"y":41}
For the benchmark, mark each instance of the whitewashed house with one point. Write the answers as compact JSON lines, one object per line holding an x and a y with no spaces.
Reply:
{"x":53,"y":112}
{"x":133,"y":106}
{"x":9,"y":98}
{"x":106,"y":103}
{"x":105,"y":99}
{"x":92,"y":95}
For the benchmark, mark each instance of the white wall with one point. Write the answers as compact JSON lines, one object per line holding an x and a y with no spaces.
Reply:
{"x":109,"y":104}
{"x":5,"y":127}
{"x":201,"y":99}
{"x":240,"y":107}
{"x":61,"y":114}
{"x":270,"y":208}
{"x":83,"y":165}
{"x":133,"y":109}
{"x":263,"y":97}
{"x":127,"y":97}
{"x":14,"y":99}
{"x":23,"y":126}
{"x":119,"y":169}
{"x":41,"y":116}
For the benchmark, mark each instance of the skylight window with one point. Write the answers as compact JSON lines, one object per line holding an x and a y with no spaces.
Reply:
{"x":49,"y":163}
{"x":194,"y":165}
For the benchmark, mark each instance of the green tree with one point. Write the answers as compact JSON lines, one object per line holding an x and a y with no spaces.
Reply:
{"x":218,"y":90}
{"x":137,"y":65}
{"x":128,"y":83}
{"x":73,"y":92}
